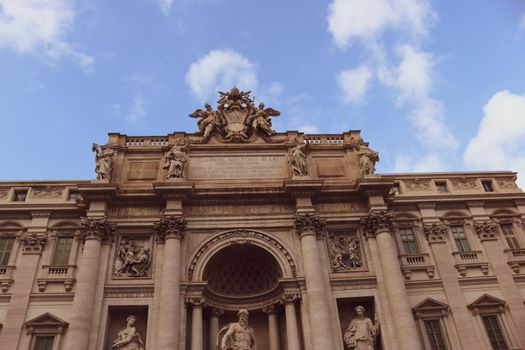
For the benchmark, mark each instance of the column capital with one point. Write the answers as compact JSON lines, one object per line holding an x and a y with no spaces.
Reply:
{"x":33,"y":242}
{"x":170,"y":227}
{"x":196,"y":301}
{"x":290,"y":298}
{"x":435,"y":233}
{"x":377,"y":221}
{"x":309,"y":224}
{"x":95,"y":228}
{"x":486,"y":230}
{"x":217,"y":312}
{"x":269,"y":309}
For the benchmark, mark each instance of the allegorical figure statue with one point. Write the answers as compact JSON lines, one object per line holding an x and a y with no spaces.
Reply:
{"x":238,"y":336}
{"x":367,"y":159}
{"x":209,"y":120}
{"x":361,"y":333}
{"x":260,"y":119}
{"x":174,"y":161}
{"x":297,"y":160}
{"x":104,"y":162}
{"x":128,"y":338}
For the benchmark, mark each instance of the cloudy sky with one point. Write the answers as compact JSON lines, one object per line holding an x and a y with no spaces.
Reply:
{"x":433,"y":85}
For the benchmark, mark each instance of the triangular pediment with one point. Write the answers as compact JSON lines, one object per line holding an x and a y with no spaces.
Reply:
{"x":487,"y":301}
{"x":430,"y":304}
{"x":46,"y":320}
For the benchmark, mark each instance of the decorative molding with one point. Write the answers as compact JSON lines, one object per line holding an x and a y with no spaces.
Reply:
{"x":32,"y":242}
{"x":377,"y":221}
{"x":353,"y":284}
{"x":427,"y":205}
{"x":170,"y":227}
{"x":486,"y":230}
{"x":417,"y":185}
{"x":46,"y":192}
{"x":435,"y":233}
{"x":95,"y":228}
{"x":290,"y":298}
{"x":310,"y":224}
{"x":129,"y":292}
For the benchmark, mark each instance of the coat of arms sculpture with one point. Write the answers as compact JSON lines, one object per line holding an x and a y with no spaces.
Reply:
{"x":236,"y":119}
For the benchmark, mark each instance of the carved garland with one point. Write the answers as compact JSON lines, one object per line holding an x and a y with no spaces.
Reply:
{"x":245,"y":235}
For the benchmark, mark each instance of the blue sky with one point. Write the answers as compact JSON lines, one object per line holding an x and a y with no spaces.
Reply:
{"x":433,"y":85}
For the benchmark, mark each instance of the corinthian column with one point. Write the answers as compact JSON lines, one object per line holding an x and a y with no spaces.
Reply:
{"x":309,"y":226}
{"x":378,"y":225}
{"x":93,"y":231}
{"x":170,"y":230}
{"x":273,"y":327}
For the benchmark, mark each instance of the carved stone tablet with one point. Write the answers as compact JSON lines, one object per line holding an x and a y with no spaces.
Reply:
{"x":237,"y":167}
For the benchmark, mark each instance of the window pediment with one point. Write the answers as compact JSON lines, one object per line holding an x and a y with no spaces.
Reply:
{"x":487,"y":304}
{"x":46,"y":323}
{"x":430,"y":308}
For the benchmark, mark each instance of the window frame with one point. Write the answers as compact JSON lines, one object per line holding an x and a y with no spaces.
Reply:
{"x":59,"y":236}
{"x":490,"y":183}
{"x":45,"y":325}
{"x":431,"y":309}
{"x":6,"y":237}
{"x":465,"y":239}
{"x":515,"y":234}
{"x":415,"y":242}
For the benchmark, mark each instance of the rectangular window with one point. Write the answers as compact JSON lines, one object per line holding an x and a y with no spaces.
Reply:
{"x":487,"y":185}
{"x":460,"y":238}
{"x":510,"y":237}
{"x":20,"y":196}
{"x":6,"y":246}
{"x":44,"y":343}
{"x":441,"y":186}
{"x":409,"y":240}
{"x":494,"y":332}
{"x":62,"y":251}
{"x":435,"y":334}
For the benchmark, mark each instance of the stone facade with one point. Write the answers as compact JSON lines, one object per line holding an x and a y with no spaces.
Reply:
{"x":181,"y":231}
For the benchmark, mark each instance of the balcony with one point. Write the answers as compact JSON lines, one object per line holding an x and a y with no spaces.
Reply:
{"x":470,"y":260}
{"x":416,"y":262}
{"x":6,"y":277}
{"x":515,"y":258}
{"x":57,"y":274}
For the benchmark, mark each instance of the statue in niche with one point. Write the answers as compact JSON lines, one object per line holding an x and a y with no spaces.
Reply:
{"x":297,"y":159}
{"x":132,"y":260}
{"x":174,"y":161}
{"x":128,"y":338}
{"x":345,"y":254}
{"x":367,"y":159}
{"x":361,"y":333}
{"x":260,"y":119}
{"x":104,"y":162}
{"x":237,"y":335}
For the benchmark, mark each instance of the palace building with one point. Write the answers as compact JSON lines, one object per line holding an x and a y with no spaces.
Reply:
{"x":297,"y":231}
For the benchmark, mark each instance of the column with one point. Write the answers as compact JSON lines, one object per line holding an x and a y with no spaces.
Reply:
{"x":487,"y":233}
{"x":92,"y":233}
{"x":214,"y":327}
{"x":170,"y":230}
{"x":308,"y":226}
{"x":379,"y":224}
{"x":292,"y":331}
{"x":273,"y":327}
{"x":196,"y":323}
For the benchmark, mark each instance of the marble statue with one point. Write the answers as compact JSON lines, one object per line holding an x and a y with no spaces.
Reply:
{"x":237,"y":336}
{"x":104,"y":162}
{"x":260,"y":119}
{"x":132,"y":260}
{"x":297,"y":160}
{"x":209,"y":120}
{"x":361,"y":333}
{"x":174,"y":161}
{"x":128,"y":338}
{"x":367,"y":159}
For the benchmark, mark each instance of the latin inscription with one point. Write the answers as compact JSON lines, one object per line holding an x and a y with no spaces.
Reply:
{"x":237,"y":167}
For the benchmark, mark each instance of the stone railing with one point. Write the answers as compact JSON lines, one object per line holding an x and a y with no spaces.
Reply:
{"x":416,"y":262}
{"x":149,"y":141}
{"x":323,"y":139}
{"x":57,"y":274}
{"x":515,"y":258}
{"x":6,"y":277}
{"x":471,"y":259}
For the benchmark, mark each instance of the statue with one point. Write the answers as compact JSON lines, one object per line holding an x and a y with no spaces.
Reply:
{"x":361,"y":333}
{"x":174,"y":161}
{"x":104,"y":162}
{"x":297,"y":160}
{"x":260,"y":119}
{"x":345,"y":254}
{"x":128,"y":338}
{"x":367,"y":159}
{"x":238,"y":335}
{"x":209,"y":120}
{"x":132,"y":261}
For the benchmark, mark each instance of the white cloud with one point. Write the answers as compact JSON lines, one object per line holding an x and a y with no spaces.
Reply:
{"x":522,"y":21}
{"x":354,"y":83}
{"x":367,"y":20}
{"x":275,"y":88}
{"x":220,"y":70}
{"x":500,"y":141}
{"x":430,"y":162}
{"x":137,"y":110}
{"x":165,"y":6}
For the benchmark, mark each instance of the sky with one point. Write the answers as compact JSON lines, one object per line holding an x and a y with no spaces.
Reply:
{"x":433,"y":85}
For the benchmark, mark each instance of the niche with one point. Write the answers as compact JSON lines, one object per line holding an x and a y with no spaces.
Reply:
{"x":346,"y":310}
{"x":117,"y":320}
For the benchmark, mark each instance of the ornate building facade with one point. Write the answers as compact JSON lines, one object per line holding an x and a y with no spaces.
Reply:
{"x":180,"y":232}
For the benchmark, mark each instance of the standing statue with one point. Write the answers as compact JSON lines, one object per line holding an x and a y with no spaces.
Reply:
{"x":104,"y":162}
{"x":297,"y":160}
{"x":174,"y":161}
{"x":260,"y":119}
{"x":238,"y":335}
{"x":361,"y":333}
{"x":128,"y":338}
{"x":209,"y":120}
{"x":367,"y":159}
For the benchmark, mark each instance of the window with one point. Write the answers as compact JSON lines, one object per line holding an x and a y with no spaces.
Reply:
{"x":494,"y":332}
{"x":44,"y":343}
{"x":510,"y":237}
{"x":441,"y":186}
{"x":74,"y":195}
{"x":408,"y":240}
{"x":6,"y":245}
{"x":460,"y":238}
{"x":435,"y":334}
{"x":487,"y":185}
{"x":20,"y":196}
{"x":62,"y":251}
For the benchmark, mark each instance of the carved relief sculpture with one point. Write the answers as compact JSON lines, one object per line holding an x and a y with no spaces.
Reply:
{"x":132,"y":260}
{"x":236,"y":118}
{"x":361,"y":333}
{"x":174,"y":161}
{"x":237,"y":335}
{"x":367,"y":159}
{"x":297,"y":159}
{"x":345,"y":252}
{"x":128,"y":338}
{"x":104,"y":162}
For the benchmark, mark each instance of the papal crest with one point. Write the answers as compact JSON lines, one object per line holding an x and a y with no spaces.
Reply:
{"x":236,"y":119}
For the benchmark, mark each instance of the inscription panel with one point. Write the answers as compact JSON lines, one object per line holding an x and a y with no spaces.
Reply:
{"x":237,"y":167}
